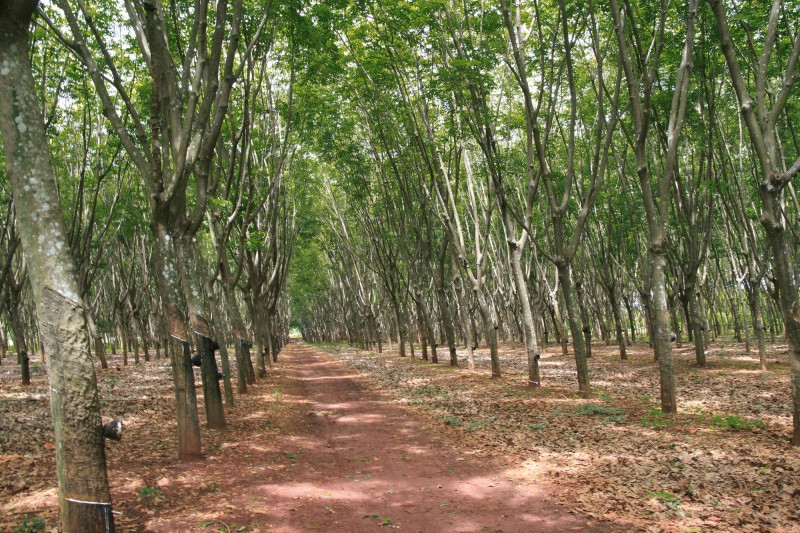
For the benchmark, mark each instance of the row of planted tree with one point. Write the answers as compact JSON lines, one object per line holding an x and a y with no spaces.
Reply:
{"x":149,"y":200}
{"x":544,"y":171}
{"x":444,"y":170}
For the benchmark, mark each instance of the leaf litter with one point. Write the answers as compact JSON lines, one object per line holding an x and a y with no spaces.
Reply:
{"x":723,"y":463}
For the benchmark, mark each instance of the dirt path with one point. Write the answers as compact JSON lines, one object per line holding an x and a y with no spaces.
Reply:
{"x":312,"y":448}
{"x":365,"y":463}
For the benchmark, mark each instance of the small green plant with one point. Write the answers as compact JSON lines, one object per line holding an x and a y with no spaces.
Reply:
{"x":669,"y":500}
{"x":150,"y":493}
{"x":36,"y":368}
{"x":112,"y":381}
{"x":655,"y":418}
{"x":385,"y":522}
{"x":452,"y":421}
{"x":538,"y":425}
{"x":30,"y":524}
{"x":205,"y":523}
{"x":735,"y":423}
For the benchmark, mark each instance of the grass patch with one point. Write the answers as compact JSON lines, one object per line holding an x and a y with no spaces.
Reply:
{"x":655,"y":419}
{"x":735,"y":423}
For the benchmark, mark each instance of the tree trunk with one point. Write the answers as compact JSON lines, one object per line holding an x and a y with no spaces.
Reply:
{"x":135,"y":348}
{"x":789,"y":305}
{"x":623,"y":353}
{"x":565,"y":282}
{"x":758,"y":322}
{"x":242,"y":346}
{"x":697,"y":326}
{"x":168,"y":282}
{"x":401,"y":334}
{"x":491,"y":334}
{"x":260,"y":369}
{"x":661,"y":333}
{"x":186,"y":403}
{"x":631,"y":320}
{"x":586,"y":328}
{"x":84,"y":497}
{"x":193,"y":293}
{"x":21,"y":347}
{"x":212,"y":396}
{"x":466,"y":322}
{"x":100,"y":351}
{"x":124,"y":338}
{"x":528,"y":329}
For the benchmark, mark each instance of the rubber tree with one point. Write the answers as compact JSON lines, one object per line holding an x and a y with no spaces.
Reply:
{"x":761,"y":111}
{"x":84,"y":496}
{"x":565,"y":247}
{"x":640,"y":74}
{"x":191,"y":84}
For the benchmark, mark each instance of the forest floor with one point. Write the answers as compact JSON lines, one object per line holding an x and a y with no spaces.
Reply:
{"x":377,"y":441}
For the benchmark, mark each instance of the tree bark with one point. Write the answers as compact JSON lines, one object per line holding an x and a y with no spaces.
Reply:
{"x":168,"y":282}
{"x":84,"y":497}
{"x":565,"y":282}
